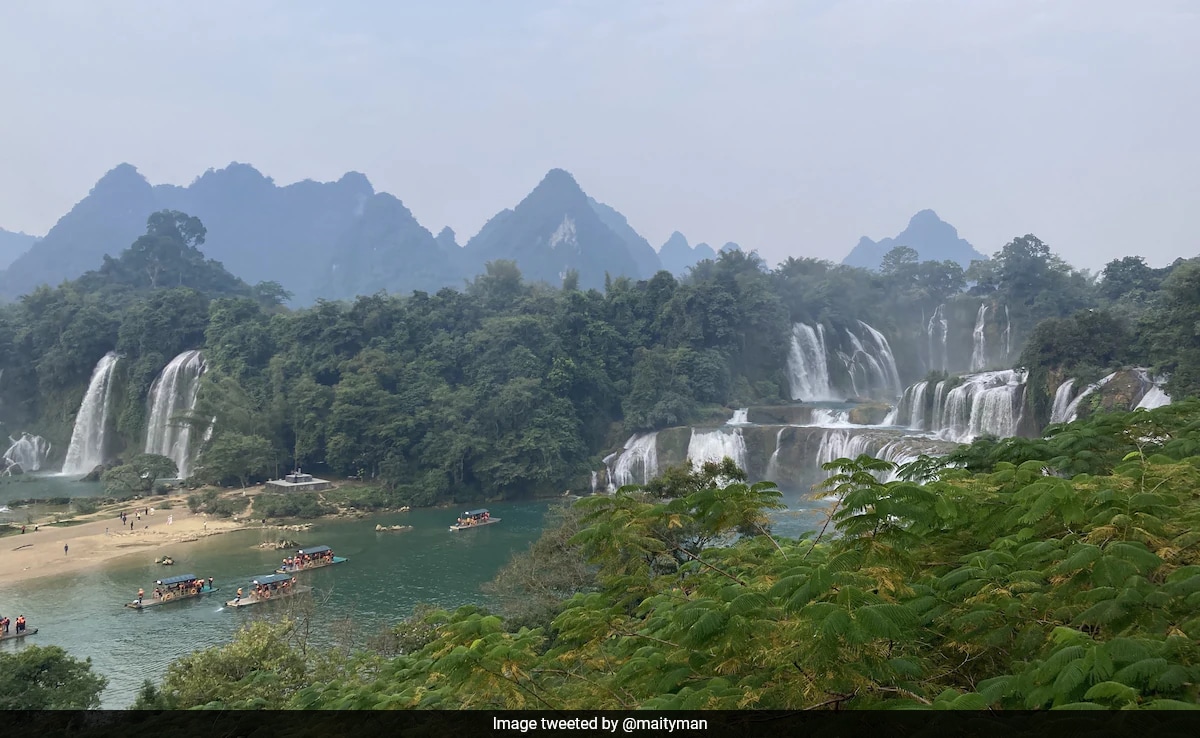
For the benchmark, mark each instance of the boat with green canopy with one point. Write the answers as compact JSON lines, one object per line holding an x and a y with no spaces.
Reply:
{"x":312,"y":557}
{"x":173,"y":589}
{"x":266,"y":588}
{"x":474,"y":519}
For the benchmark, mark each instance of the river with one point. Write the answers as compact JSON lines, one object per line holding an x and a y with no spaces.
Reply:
{"x":386,"y":575}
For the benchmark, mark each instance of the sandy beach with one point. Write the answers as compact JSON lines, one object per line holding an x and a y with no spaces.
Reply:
{"x":103,"y":538}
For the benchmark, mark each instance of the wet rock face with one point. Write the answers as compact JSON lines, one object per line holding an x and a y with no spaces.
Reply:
{"x":869,"y":414}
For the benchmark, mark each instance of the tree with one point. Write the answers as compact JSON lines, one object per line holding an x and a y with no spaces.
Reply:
{"x":901,"y":260}
{"x":47,"y":678}
{"x":139,"y":474}
{"x":234,"y":455}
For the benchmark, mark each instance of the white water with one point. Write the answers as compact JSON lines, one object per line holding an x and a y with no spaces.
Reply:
{"x":639,"y":455}
{"x":715,"y":445}
{"x":890,"y":379}
{"x":595,"y":482}
{"x":1072,"y":410}
{"x":808,"y":367}
{"x":1062,"y":400}
{"x":979,"y":351}
{"x":910,"y":413}
{"x":842,"y":444}
{"x":1153,"y":398}
{"x":174,"y":392}
{"x":985,"y":403}
{"x":936,"y":330}
{"x":86,"y":451}
{"x":773,"y":462}
{"x":825,"y":418}
{"x":739,"y":417}
{"x":28,"y":452}
{"x":1007,"y":334}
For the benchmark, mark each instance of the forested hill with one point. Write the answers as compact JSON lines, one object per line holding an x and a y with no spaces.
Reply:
{"x":336,"y":240}
{"x":507,"y":387}
{"x":929,"y":236}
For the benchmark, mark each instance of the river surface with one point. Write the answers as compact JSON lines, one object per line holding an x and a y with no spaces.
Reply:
{"x":386,"y":575}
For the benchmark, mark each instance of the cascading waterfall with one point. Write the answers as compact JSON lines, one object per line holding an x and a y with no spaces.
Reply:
{"x":174,"y":392}
{"x":1007,"y":334}
{"x":842,"y":444}
{"x":739,"y":417}
{"x":86,"y":451}
{"x":985,"y":403}
{"x":715,"y":445}
{"x":773,"y":462}
{"x":826,"y":418}
{"x":640,"y":454}
{"x":808,"y":367}
{"x":937,"y":329}
{"x":1062,"y":400}
{"x":871,"y":365}
{"x":1071,"y":412}
{"x":979,"y":351}
{"x":1153,"y":398}
{"x":910,"y":413}
{"x":595,"y":482}
{"x":28,"y":452}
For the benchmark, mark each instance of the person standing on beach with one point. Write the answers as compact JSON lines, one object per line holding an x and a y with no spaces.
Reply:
{"x":65,"y":548}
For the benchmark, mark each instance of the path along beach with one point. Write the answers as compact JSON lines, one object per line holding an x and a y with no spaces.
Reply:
{"x":40,"y":553}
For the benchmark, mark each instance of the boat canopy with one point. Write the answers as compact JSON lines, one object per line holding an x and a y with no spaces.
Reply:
{"x":475,"y":513}
{"x":177,"y":580}
{"x":314,"y":550}
{"x":272,"y":579}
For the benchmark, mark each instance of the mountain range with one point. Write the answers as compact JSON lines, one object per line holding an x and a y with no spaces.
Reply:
{"x":931,"y":237}
{"x":336,"y":240}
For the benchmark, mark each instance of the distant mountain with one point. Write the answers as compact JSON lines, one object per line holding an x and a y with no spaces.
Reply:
{"x":677,"y":256}
{"x":639,"y":248}
{"x":258,"y":230}
{"x":553,"y":230}
{"x":387,"y":249}
{"x":13,"y":245}
{"x":931,"y":237}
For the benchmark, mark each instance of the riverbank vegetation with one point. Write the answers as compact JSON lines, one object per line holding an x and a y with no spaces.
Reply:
{"x":507,"y":388}
{"x":1061,"y":572}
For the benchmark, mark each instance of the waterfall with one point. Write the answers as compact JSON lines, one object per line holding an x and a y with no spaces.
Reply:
{"x":773,"y":462}
{"x":1072,"y":410}
{"x":86,"y":451}
{"x":715,"y":445}
{"x":28,"y":452}
{"x":985,"y":403}
{"x":1007,"y":334}
{"x":842,"y":444}
{"x":174,"y":392}
{"x":739,"y":417}
{"x":595,"y":481}
{"x":1153,"y":398}
{"x":887,"y":360}
{"x":911,"y":410}
{"x":1062,"y":400}
{"x":808,"y":367}
{"x":938,"y":326}
{"x":826,"y":418}
{"x":979,"y":352}
{"x":640,"y":454}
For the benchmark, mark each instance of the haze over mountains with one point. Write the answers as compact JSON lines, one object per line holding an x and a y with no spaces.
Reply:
{"x":927,"y":234}
{"x":337,"y":240}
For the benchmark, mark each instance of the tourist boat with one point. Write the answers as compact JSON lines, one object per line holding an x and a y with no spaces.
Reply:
{"x":310,"y":558}
{"x":474,"y":519}
{"x":173,"y":589}
{"x":267,"y":588}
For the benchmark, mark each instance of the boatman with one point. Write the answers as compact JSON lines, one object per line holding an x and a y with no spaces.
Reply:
{"x":210,"y":581}
{"x":141,"y":594}
{"x":20,"y":623}
{"x":239,"y":594}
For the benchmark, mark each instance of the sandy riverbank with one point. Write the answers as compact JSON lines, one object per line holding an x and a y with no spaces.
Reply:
{"x":102,"y":539}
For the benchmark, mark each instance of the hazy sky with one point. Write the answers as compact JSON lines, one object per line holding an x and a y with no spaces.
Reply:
{"x":791,"y":127}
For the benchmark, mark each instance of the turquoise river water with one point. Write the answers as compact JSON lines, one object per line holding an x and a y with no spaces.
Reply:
{"x":386,"y":575}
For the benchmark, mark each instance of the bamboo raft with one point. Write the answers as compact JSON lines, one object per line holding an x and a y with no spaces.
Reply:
{"x":319,"y":564}
{"x":275,"y":591}
{"x":12,"y":636}
{"x":146,"y":604}
{"x":172,"y":592}
{"x":475,"y":519}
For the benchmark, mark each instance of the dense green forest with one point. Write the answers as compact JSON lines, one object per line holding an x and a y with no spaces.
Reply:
{"x":1059,"y":572}
{"x":507,"y":387}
